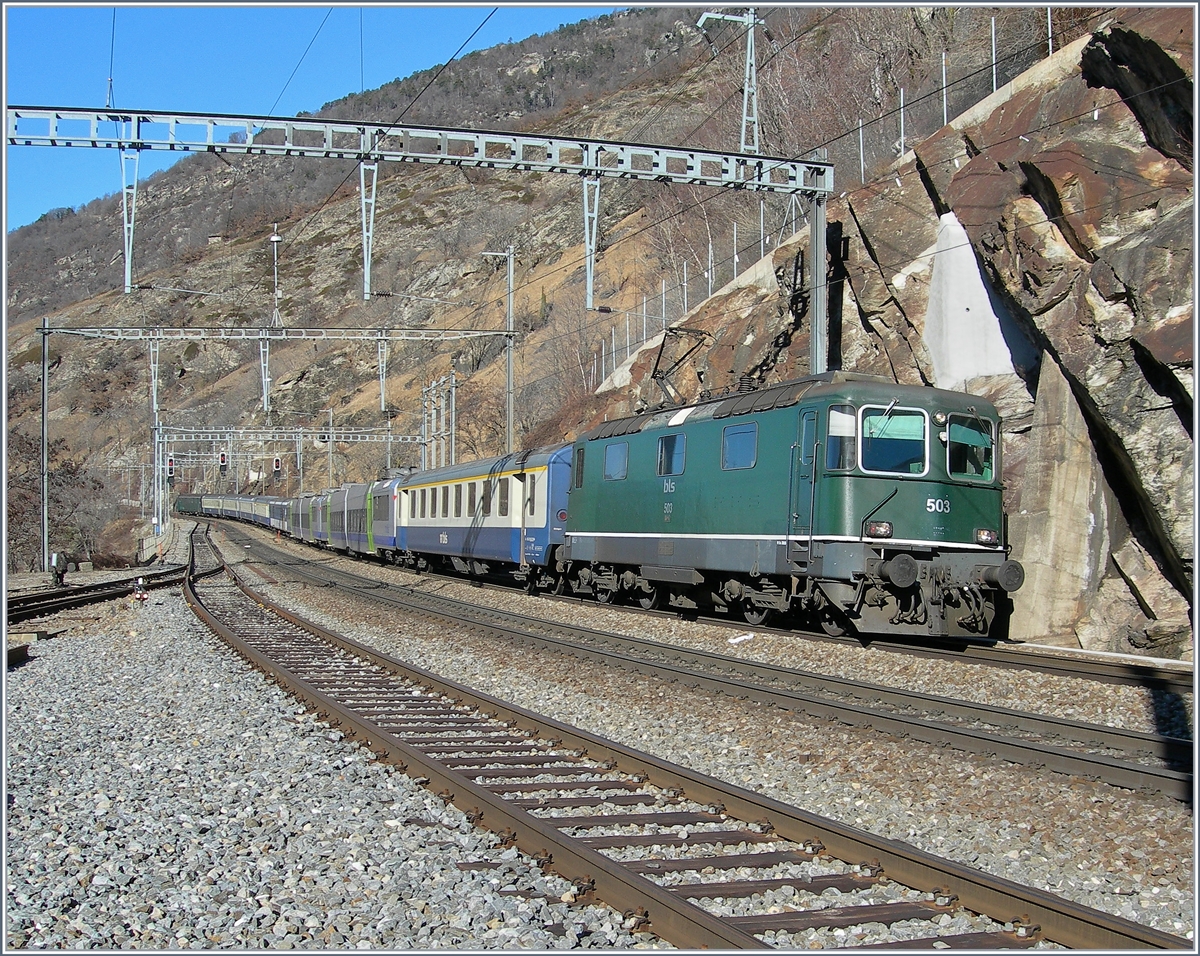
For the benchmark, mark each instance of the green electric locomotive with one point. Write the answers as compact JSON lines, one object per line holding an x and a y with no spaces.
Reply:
{"x":864,"y":504}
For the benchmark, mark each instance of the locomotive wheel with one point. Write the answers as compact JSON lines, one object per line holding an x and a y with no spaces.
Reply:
{"x":832,"y":623}
{"x":757,"y":616}
{"x":650,"y":600}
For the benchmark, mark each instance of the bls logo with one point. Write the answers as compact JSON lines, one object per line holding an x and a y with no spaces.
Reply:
{"x":444,"y":538}
{"x":668,"y":486}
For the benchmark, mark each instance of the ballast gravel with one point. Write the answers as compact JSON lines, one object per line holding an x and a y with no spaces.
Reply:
{"x":163,"y":795}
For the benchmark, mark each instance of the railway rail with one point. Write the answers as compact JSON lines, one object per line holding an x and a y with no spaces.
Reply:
{"x":1125,"y":758}
{"x":656,"y":841}
{"x":35,"y":604}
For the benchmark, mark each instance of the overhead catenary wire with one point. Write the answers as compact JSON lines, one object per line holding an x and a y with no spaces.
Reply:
{"x":271,"y":111}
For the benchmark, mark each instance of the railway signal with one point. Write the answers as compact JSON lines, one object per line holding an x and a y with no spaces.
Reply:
{"x":224,"y":463}
{"x":278,"y":466}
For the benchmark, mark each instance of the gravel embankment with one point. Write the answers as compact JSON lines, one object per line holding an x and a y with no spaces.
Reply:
{"x":164,"y":796}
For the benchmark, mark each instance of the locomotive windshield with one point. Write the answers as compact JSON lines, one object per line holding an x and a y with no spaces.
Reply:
{"x":970,"y":449}
{"x":894,"y":440}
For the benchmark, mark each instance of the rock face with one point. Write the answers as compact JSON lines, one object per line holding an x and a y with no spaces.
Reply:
{"x":1038,"y":251}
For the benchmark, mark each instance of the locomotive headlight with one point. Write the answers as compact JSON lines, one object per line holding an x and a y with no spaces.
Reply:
{"x":939,"y":418}
{"x":986,"y":536}
{"x":879,"y":529}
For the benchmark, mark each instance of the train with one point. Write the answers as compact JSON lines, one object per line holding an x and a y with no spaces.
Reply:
{"x":841,"y":500}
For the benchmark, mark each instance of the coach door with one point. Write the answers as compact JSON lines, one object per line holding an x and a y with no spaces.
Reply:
{"x":804,"y":457}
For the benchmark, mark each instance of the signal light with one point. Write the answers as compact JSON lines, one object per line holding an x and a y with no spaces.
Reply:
{"x":278,"y":465}
{"x":170,"y":466}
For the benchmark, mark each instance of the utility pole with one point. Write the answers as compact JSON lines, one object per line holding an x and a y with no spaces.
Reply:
{"x":750,"y":83}
{"x":508,"y":445}
{"x":45,"y":452}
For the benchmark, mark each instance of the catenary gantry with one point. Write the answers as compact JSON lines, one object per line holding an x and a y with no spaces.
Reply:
{"x":368,"y":144}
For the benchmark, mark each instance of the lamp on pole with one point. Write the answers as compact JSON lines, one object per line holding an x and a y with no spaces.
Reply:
{"x":508,"y":445}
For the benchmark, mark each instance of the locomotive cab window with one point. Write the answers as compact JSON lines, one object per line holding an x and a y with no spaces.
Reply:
{"x":739,"y":446}
{"x":616,"y":461}
{"x":970,"y":449}
{"x":894,"y":440}
{"x":841,"y":438}
{"x":578,"y":469}
{"x":671,"y":450}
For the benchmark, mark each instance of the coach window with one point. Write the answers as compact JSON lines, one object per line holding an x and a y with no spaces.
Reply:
{"x":893,"y":440}
{"x":487,"y":497}
{"x":471,"y":499}
{"x":841,"y":438}
{"x":458,"y":500}
{"x":445,"y":501}
{"x":616,"y":461}
{"x":412,"y":503}
{"x":671,"y":454}
{"x":739,"y":446}
{"x":423,"y":512}
{"x":531,"y":501}
{"x":578,"y":467}
{"x":970,"y":448}
{"x":502,"y":491}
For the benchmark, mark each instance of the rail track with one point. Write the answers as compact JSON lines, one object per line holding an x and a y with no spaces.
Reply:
{"x":1125,"y":758}
{"x":35,"y":604}
{"x":660,"y":843}
{"x":1157,"y":675}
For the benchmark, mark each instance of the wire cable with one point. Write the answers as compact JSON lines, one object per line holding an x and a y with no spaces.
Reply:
{"x":271,"y":111}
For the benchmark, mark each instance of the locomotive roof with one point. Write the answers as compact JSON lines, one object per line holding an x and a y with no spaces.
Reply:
{"x":784,"y":395}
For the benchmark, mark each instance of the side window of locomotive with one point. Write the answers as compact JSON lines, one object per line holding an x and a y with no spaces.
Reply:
{"x":671,"y":450}
{"x":894,"y":440}
{"x":577,"y":468}
{"x":458,"y":500}
{"x":970,"y":449}
{"x":616,"y":461}
{"x":739,"y":446}
{"x":502,"y":507}
{"x":841,"y":438}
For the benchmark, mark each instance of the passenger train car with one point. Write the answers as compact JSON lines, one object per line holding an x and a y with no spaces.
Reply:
{"x":861,"y":503}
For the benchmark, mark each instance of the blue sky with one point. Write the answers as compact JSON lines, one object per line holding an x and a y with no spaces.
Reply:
{"x":218,"y":59}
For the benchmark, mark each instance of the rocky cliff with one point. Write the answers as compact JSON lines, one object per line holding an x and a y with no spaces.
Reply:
{"x":1036,"y":250}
